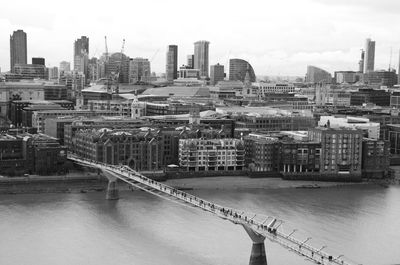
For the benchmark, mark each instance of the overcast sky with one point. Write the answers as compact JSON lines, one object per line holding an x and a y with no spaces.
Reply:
{"x":278,"y":37}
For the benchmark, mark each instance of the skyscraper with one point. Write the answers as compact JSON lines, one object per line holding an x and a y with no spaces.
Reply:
{"x":18,"y":49}
{"x":172,"y":63}
{"x":190,"y":59}
{"x":361,"y":62}
{"x":398,"y":71}
{"x":201,"y":57}
{"x":81,"y":55}
{"x":369,"y":60}
{"x":216,"y":73}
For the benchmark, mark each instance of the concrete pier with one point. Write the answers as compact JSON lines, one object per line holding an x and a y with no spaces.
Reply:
{"x":257,"y":256}
{"x":112,"y":188}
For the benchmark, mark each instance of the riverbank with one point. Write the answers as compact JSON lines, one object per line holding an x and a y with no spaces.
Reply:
{"x":82,"y":182}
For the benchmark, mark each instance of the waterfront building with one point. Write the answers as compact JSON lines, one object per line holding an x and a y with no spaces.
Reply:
{"x":211,"y":154}
{"x":31,"y":154}
{"x":375,"y":158}
{"x":341,"y":151}
{"x":369,"y":60}
{"x":139,"y":70}
{"x":317,"y":75}
{"x":262,"y":153}
{"x":18,"y":49}
{"x":216,"y":73}
{"x":238,"y":69}
{"x":368,"y":95}
{"x":171,"y":68}
{"x":201,"y":57}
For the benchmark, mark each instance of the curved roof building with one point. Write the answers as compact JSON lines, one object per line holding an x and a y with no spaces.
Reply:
{"x":316,"y":75}
{"x":114,"y":63}
{"x":238,"y":69}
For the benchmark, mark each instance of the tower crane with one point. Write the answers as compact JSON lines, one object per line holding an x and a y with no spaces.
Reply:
{"x":119,"y":67}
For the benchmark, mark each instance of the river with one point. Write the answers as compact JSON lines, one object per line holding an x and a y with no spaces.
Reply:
{"x":360,"y":221}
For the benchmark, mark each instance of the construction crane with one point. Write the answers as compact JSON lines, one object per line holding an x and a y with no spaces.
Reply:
{"x":106,"y":53}
{"x":119,"y":67}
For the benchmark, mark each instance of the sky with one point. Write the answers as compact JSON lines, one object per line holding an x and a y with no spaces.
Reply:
{"x":275,"y":37}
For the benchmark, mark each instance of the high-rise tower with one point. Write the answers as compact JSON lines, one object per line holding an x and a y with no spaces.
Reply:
{"x":172,"y":62}
{"x":81,"y":55}
{"x":369,"y":60}
{"x":201,"y":57}
{"x":18,"y":49}
{"x":361,"y":62}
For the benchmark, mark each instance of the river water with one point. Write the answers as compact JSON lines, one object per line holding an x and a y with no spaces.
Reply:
{"x":360,"y":221}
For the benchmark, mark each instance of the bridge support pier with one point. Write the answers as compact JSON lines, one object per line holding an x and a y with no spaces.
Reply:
{"x":112,"y":188}
{"x":257,"y":256}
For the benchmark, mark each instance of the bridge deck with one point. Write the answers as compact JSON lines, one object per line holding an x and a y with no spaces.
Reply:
{"x":267,"y":227}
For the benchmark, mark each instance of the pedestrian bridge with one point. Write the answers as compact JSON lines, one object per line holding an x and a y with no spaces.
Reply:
{"x":257,"y":226}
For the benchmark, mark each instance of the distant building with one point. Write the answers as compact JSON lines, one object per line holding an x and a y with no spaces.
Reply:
{"x":18,"y":49}
{"x":171,"y":68}
{"x":346,"y":77}
{"x":118,"y":63}
{"x":369,"y":61}
{"x":263,"y":89}
{"x":330,"y":95}
{"x":201,"y":57}
{"x":190,"y":61}
{"x":53,"y":73}
{"x":211,"y":154}
{"x":30,"y":71}
{"x":366,"y":95}
{"x":185,"y":72}
{"x":395,"y":100}
{"x":139,"y":70}
{"x":238,"y":69}
{"x":81,"y":53}
{"x":370,"y":129}
{"x":317,"y":75}
{"x":361,"y":62}
{"x":216,"y":73}
{"x":65,"y":66}
{"x":38,"y":60}
{"x":381,"y":78}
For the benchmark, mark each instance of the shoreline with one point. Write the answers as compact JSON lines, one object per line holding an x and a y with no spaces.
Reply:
{"x":84,"y":182}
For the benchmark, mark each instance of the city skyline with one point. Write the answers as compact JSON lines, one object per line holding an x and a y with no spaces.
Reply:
{"x":328,"y":35}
